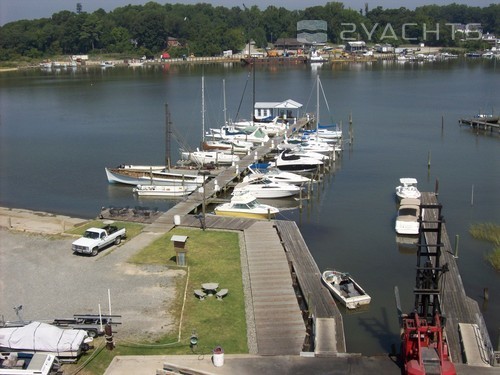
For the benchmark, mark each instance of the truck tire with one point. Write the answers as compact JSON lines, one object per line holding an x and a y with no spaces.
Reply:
{"x":95,"y":250}
{"x":118,"y":240}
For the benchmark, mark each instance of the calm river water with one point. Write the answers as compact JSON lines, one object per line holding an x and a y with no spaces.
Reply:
{"x":59,"y":130}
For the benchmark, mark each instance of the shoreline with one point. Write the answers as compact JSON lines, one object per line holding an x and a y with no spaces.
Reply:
{"x":39,"y":222}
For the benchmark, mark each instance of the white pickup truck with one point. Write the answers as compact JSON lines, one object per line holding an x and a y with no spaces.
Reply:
{"x":96,"y":239}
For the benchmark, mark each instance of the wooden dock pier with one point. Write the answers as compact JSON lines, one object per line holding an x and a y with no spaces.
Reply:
{"x":455,"y":304}
{"x":482,"y":123}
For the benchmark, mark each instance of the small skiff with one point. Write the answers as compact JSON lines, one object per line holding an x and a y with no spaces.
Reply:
{"x":162,"y":190}
{"x":345,"y":289}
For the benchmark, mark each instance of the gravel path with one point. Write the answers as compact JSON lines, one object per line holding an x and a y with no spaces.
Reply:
{"x":42,"y":274}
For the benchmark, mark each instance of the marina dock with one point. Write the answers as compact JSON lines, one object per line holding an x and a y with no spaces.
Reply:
{"x":456,"y":305}
{"x":491,"y":123}
{"x":289,"y":310}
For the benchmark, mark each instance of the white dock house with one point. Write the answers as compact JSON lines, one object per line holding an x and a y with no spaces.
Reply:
{"x":288,"y":110}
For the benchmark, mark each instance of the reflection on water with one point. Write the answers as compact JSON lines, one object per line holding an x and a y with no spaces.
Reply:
{"x":407,"y":244}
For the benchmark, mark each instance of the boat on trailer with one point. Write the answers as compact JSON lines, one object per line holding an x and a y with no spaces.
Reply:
{"x":345,"y":289}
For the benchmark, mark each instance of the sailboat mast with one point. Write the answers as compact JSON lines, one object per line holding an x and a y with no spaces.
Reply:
{"x":224,"y":97}
{"x":168,"y":132}
{"x":253,"y":104}
{"x":203,"y":108}
{"x":317,"y":104}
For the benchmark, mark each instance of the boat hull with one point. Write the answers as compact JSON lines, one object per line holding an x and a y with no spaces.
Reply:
{"x":162,"y":191}
{"x":142,"y":177}
{"x":248,"y":215}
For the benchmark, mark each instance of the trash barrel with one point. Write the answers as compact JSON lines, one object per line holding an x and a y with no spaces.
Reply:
{"x":177,"y":220}
{"x":218,"y":357}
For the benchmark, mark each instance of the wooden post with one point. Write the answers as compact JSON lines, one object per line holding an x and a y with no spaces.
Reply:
{"x":351,"y":133}
{"x":436,"y":187}
{"x":486,"y":294}
{"x":442,"y":122}
{"x":429,"y":160}
{"x":472,"y":196}
{"x":300,"y":199}
{"x":457,"y":237}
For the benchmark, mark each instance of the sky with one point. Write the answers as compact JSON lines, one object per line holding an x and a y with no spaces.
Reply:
{"x":13,"y":10}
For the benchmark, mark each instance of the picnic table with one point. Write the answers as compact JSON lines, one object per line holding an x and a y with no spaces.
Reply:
{"x":210,"y":288}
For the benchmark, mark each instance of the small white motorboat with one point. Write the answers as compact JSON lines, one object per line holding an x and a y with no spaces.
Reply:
{"x":163,"y":190}
{"x":408,"y":188}
{"x":246,"y":205}
{"x":407,"y":219}
{"x":262,"y":187}
{"x":345,"y":289}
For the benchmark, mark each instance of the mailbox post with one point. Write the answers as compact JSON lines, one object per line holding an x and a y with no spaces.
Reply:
{"x":180,"y":249}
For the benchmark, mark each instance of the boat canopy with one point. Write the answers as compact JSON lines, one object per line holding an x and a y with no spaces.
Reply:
{"x":38,"y":336}
{"x":408,"y":181}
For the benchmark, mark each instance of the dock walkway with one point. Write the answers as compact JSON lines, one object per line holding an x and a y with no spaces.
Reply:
{"x":455,"y":304}
{"x":482,"y":123}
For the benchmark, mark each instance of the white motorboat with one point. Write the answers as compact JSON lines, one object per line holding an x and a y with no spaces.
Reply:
{"x":235,"y":146}
{"x":162,"y":190}
{"x":107,"y":64}
{"x":142,"y":176}
{"x":307,"y":145}
{"x":262,"y":187}
{"x":210,"y":157}
{"x":291,"y":162}
{"x":408,"y":188}
{"x":246,"y":205}
{"x":407,"y":218}
{"x":275,"y":175}
{"x":301,"y":151}
{"x":345,"y":289}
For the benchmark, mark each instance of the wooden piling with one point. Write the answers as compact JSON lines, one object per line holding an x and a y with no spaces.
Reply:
{"x":456,"y":245}
{"x":472,"y":196}
{"x":429,"y":161}
{"x":486,"y":294}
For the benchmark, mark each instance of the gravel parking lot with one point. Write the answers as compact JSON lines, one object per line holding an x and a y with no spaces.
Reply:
{"x":41,"y":273}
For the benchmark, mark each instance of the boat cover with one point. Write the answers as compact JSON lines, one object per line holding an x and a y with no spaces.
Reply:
{"x":38,"y":336}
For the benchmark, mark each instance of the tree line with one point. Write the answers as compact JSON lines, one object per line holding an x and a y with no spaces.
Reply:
{"x":205,"y":30}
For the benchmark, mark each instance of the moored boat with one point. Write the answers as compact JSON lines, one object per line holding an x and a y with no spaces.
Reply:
{"x":345,"y":289}
{"x":246,"y":205}
{"x":407,"y":218}
{"x":140,"y":176}
{"x":262,"y":187}
{"x":210,"y":157}
{"x":275,"y":175}
{"x":408,"y":188}
{"x":291,"y":162}
{"x":162,"y":190}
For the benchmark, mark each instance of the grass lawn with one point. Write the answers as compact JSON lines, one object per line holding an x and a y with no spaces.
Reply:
{"x":133,"y":229}
{"x":212,"y":256}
